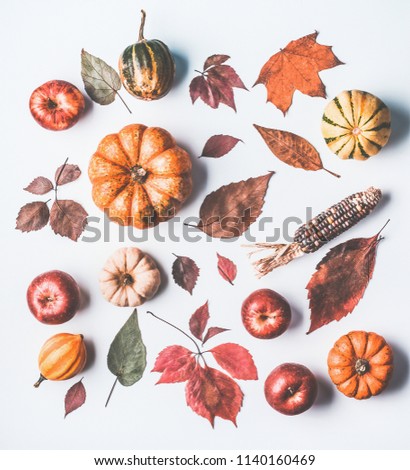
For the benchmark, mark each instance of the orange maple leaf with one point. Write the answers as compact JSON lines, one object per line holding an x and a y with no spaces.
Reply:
{"x":297,"y":67}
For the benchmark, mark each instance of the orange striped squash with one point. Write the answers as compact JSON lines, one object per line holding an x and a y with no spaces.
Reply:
{"x":356,"y":125}
{"x":61,"y":357}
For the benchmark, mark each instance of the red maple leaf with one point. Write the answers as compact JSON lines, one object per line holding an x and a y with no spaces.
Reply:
{"x":176,"y":364}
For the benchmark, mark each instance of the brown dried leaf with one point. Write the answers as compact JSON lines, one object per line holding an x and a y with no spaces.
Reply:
{"x":32,"y":216}
{"x":185,"y":272}
{"x":219,"y":145}
{"x":292,"y":149}
{"x":226,"y":268}
{"x":340,"y":280}
{"x":216,"y":59}
{"x":74,"y":398}
{"x":296,"y":67}
{"x":67,"y":173}
{"x":68,"y":218}
{"x":198,"y":321}
{"x":213,"y":331}
{"x":40,"y":186}
{"x":230,"y":210}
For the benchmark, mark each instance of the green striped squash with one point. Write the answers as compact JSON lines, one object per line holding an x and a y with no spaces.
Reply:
{"x":147,"y":68}
{"x":356,"y":124}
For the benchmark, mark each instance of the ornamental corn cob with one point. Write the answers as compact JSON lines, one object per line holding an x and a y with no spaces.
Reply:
{"x":324,"y":227}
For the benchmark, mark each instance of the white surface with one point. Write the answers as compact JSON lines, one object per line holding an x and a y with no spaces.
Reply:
{"x":41,"y":41}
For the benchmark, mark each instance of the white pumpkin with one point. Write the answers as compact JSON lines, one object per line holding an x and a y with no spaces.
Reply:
{"x":129,"y":278}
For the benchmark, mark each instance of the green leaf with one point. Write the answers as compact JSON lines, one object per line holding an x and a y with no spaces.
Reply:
{"x":101,"y":81}
{"x":127,"y":355}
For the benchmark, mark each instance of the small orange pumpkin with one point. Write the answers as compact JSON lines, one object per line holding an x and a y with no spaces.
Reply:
{"x":360,"y":364}
{"x":140,"y":176}
{"x":129,"y":278}
{"x":61,"y":357}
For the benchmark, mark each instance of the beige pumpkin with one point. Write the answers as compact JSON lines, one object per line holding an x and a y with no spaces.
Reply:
{"x":356,"y":125}
{"x":129,"y":278}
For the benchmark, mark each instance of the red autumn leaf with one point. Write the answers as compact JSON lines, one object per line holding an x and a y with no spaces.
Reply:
{"x":176,"y":364}
{"x":236,"y":360}
{"x":68,"y":218}
{"x":211,"y":393}
{"x":185,"y":272}
{"x":219,"y":145}
{"x":216,"y":83}
{"x":226,"y":268}
{"x":39,"y":185}
{"x":67,"y":173}
{"x":213,"y":331}
{"x":198,"y":321}
{"x":75,"y":397}
{"x":296,"y":67}
{"x":32,"y":216}
{"x":340,"y":280}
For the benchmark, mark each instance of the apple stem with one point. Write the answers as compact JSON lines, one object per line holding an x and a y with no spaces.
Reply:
{"x":112,"y":389}
{"x":141,"y":31}
{"x":179,"y":329}
{"x":40,"y":380}
{"x":124,"y":103}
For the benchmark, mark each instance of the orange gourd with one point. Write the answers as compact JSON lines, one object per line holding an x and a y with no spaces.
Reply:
{"x":140,"y":176}
{"x":61,"y":357}
{"x":360,"y":364}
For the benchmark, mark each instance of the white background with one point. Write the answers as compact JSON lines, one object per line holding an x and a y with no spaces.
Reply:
{"x":41,"y":41}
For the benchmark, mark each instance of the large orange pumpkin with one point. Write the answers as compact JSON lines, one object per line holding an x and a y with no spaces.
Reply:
{"x":140,"y":176}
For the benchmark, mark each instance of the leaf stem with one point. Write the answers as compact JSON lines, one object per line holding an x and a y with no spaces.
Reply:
{"x":112,"y":389}
{"x":141,"y":31}
{"x":60,"y":173}
{"x":124,"y":103}
{"x":331,"y":172}
{"x":179,"y":329}
{"x":190,"y":225}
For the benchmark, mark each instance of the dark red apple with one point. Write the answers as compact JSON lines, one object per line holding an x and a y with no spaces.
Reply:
{"x":57,"y":105}
{"x":53,"y":297}
{"x":266,"y":314}
{"x":291,"y":389}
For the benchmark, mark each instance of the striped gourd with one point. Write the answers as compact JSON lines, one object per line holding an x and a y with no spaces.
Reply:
{"x":321,"y":229}
{"x":61,"y":357}
{"x":356,"y":124}
{"x":147,"y":68}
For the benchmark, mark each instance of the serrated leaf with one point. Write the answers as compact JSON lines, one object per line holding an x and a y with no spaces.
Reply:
{"x":231,"y":209}
{"x":199,"y":320}
{"x":236,"y":360}
{"x":40,"y":186}
{"x":226,"y":268}
{"x":127,"y":354}
{"x":219,"y":145}
{"x":101,"y":81}
{"x":67,"y":173}
{"x":340,"y":280}
{"x":32,"y":216}
{"x":75,"y":397}
{"x":213,"y":331}
{"x":185,"y":272}
{"x":68,"y":218}
{"x":176,"y":364}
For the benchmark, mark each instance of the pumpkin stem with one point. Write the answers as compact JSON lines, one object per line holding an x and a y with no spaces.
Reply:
{"x":362,"y":366}
{"x":126,"y":279}
{"x":41,"y":379}
{"x":141,"y":32}
{"x":139,"y":174}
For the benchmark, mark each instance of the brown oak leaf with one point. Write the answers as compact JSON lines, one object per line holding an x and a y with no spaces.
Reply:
{"x":296,"y":67}
{"x":68,"y":218}
{"x":213,"y":331}
{"x":32,"y":216}
{"x":340,"y":280}
{"x":199,"y":320}
{"x":292,"y":149}
{"x":219,"y":145}
{"x":185,"y":272}
{"x":176,"y":364}
{"x":236,"y":360}
{"x":231,"y":209}
{"x":216,"y":82}
{"x":75,"y":397}
{"x":67,"y":173}
{"x":40,"y":186}
{"x":226,"y":268}
{"x":211,"y":393}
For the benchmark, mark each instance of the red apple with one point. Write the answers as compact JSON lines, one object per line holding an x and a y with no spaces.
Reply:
{"x":291,"y":389}
{"x":266,"y":314}
{"x":53,"y":297}
{"x":56,"y":105}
